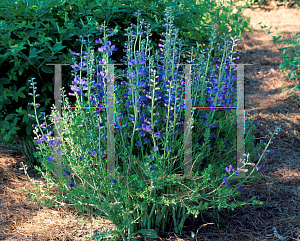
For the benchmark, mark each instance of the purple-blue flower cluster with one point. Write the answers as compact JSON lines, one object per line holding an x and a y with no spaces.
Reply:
{"x":218,"y":91}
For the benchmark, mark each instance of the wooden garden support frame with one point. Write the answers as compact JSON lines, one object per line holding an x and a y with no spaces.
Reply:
{"x":187,"y":123}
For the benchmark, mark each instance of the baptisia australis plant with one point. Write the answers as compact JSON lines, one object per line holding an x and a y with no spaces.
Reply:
{"x":146,"y":194}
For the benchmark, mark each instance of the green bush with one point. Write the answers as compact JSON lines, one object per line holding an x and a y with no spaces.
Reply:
{"x":34,"y":33}
{"x":126,"y":198}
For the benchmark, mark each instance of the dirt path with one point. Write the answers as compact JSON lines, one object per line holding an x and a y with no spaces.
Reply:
{"x":263,"y":85}
{"x":280,"y":192}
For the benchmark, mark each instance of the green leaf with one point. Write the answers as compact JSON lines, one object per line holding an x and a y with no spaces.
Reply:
{"x":37,"y":25}
{"x":6,"y":124}
{"x":7,"y":101}
{"x":23,"y":56}
{"x":21,"y":69}
{"x":50,"y":86}
{"x":33,"y":53}
{"x":4,"y":80}
{"x":58,"y":46}
{"x":11,"y":133}
{"x":47,"y":69}
{"x":172,"y":3}
{"x":2,"y":126}
{"x":10,"y":116}
{"x":15,"y":121}
{"x":20,"y":92}
{"x":14,"y":69}
{"x":69,"y":35}
{"x":44,"y":88}
{"x":7,"y":54}
{"x":282,"y":65}
{"x":25,"y":118}
{"x":25,"y":65}
{"x":150,"y":233}
{"x":15,"y":96}
{"x":20,"y":110}
{"x":22,"y":88}
{"x":28,"y":130}
{"x":47,"y":101}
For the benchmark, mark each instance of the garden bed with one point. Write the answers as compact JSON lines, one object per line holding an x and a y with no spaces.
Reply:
{"x":279,"y":190}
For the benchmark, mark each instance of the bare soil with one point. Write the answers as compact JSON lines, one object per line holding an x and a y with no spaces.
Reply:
{"x":276,"y":219}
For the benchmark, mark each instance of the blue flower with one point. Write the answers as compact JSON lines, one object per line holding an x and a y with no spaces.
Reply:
{"x":225,"y":180}
{"x":147,"y":140}
{"x":138,"y":143}
{"x":50,"y":159}
{"x":38,"y":141}
{"x":72,"y":184}
{"x":155,"y":148}
{"x":67,"y":172}
{"x":229,"y":169}
{"x":260,"y":168}
{"x":158,"y":135}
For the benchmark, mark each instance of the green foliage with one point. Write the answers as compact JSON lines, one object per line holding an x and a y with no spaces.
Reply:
{"x":291,"y":59}
{"x":230,"y":20}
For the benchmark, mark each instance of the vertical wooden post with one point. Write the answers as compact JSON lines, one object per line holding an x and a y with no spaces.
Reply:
{"x":110,"y":122}
{"x":57,"y":122}
{"x":188,"y":124}
{"x":240,"y":120}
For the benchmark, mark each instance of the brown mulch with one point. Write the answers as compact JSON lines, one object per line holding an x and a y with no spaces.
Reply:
{"x":277,"y":219}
